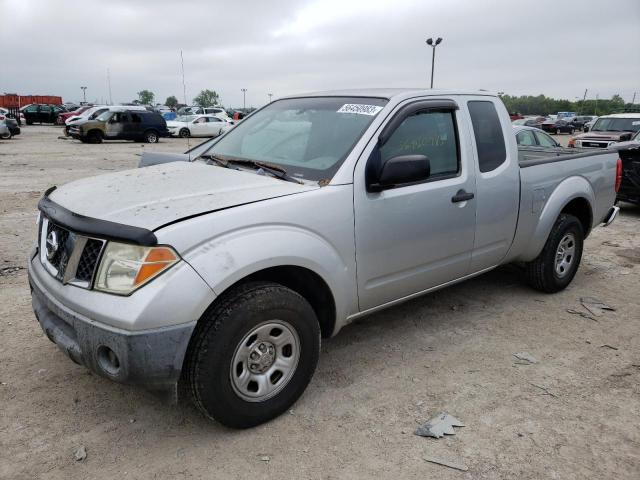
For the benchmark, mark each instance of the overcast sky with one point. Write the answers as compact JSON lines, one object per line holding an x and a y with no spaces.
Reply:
{"x":553,"y":47}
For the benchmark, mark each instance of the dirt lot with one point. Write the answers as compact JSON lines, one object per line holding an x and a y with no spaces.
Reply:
{"x":573,"y":415}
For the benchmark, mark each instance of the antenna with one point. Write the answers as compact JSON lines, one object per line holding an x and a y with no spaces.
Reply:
{"x":184,"y":93}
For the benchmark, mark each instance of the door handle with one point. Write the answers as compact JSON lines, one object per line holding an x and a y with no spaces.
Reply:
{"x":461,"y":196}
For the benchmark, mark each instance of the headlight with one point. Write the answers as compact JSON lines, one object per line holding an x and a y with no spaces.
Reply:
{"x":124,"y":267}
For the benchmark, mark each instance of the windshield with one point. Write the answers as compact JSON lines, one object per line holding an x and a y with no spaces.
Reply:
{"x":185,"y":118}
{"x":103,"y":117}
{"x":308,"y":137}
{"x":616,"y":125}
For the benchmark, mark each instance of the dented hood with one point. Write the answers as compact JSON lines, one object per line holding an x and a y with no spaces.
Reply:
{"x":155,"y":196}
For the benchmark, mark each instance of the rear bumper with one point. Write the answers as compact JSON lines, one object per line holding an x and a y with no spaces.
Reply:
{"x":151,"y":358}
{"x":611,"y":216}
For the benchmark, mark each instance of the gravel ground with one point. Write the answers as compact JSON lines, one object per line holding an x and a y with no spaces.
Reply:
{"x":572,"y":415}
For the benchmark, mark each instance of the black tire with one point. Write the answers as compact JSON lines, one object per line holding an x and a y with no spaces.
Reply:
{"x":29,"y":122}
{"x":151,"y":136}
{"x":184,"y":133}
{"x":223,"y":329}
{"x":94,"y":136}
{"x":541,"y":273}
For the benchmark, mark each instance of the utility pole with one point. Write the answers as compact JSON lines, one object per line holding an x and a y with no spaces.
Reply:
{"x":244,"y":98}
{"x":433,"y":46}
{"x":583,"y":100}
{"x":271,"y":95}
{"x":596,"y":114}
{"x":634,"y":98}
{"x":84,"y":94}
{"x":109,"y":85}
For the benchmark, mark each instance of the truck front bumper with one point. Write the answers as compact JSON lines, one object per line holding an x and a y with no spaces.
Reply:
{"x":151,"y":358}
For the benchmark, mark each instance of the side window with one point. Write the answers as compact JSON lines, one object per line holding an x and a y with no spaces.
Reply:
{"x":136,"y":118}
{"x":526,"y":138}
{"x":430,"y":133}
{"x":488,"y":133}
{"x":214,"y":119}
{"x":32,"y":108}
{"x":45,"y":109}
{"x":545,"y":140}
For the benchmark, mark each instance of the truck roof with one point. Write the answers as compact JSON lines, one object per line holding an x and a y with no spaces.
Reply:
{"x":390,"y":93}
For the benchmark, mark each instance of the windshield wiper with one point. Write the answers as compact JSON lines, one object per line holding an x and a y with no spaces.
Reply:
{"x":274,"y":170}
{"x":217,"y":160}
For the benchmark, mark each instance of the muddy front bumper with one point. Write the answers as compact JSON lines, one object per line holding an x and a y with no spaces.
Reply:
{"x":150,"y":358}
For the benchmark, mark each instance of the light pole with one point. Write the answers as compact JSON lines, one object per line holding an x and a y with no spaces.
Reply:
{"x":270,"y":95}
{"x":433,"y":46}
{"x":84,"y":93}
{"x":244,"y":98}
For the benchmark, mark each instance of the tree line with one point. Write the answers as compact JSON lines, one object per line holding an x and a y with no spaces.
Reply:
{"x":542,"y":105}
{"x":206,"y":98}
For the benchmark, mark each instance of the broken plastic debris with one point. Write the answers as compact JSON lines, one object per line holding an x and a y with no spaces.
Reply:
{"x":446,"y":463}
{"x":526,"y":358}
{"x":440,"y":425}
{"x":80,"y":454}
{"x":595,"y":306}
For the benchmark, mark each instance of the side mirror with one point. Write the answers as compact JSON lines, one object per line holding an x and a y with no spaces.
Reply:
{"x":400,"y":170}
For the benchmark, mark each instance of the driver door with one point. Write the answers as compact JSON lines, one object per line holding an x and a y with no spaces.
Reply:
{"x":413,"y":237}
{"x":115,"y":125}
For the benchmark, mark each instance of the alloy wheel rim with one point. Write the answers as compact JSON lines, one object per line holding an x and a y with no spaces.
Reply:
{"x":264,"y":361}
{"x":565,"y":255}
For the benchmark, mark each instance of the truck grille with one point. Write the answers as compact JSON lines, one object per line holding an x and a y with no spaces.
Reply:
{"x":89,"y":260}
{"x":69,"y":257}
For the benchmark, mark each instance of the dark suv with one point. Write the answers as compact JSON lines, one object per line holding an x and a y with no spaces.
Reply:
{"x":37,"y":113}
{"x":138,"y":125}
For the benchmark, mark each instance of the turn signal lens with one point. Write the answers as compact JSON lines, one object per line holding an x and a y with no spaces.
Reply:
{"x":124,"y":267}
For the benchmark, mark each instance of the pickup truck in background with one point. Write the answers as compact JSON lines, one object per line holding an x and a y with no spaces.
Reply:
{"x":221,"y":273}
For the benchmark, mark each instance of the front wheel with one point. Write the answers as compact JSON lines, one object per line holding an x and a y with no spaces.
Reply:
{"x":6,"y":136}
{"x":559,"y":260}
{"x":253,"y":354}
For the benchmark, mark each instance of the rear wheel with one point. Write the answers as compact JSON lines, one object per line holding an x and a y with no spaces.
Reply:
{"x":7,"y":135}
{"x":151,"y":136}
{"x":559,"y":260}
{"x":184,"y":133}
{"x":253,"y":354}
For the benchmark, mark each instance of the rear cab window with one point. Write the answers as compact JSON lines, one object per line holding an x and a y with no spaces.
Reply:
{"x":488,"y":134}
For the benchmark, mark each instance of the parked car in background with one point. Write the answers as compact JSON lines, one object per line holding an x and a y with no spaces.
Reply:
{"x":64,"y":116}
{"x":529,"y":121}
{"x":515,"y":116}
{"x":629,"y":152}
{"x":589,"y":125}
{"x":6,"y":113}
{"x":557,"y":126}
{"x":93,"y":113}
{"x":137,"y":125}
{"x":197,"y":126}
{"x":533,"y":137}
{"x":195,"y":110}
{"x":607,"y":130}
{"x":5,"y":133}
{"x":581,"y":120}
{"x":40,"y":113}
{"x":221,"y":275}
{"x":566,"y":115}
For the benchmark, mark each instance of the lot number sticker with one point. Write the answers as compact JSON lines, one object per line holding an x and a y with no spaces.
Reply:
{"x":359,"y":109}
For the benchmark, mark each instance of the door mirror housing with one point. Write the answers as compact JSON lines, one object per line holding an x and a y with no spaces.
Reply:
{"x":400,"y":170}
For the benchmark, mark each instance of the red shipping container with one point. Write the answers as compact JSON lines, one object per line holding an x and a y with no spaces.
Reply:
{"x":15,"y":101}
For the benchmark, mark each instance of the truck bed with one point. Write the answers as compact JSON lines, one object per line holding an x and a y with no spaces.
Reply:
{"x":530,"y":156}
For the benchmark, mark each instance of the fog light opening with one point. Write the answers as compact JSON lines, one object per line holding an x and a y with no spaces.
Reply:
{"x":108,"y":360}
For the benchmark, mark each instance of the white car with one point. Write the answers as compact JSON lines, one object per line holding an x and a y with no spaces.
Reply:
{"x":197,"y":126}
{"x":4,"y":112}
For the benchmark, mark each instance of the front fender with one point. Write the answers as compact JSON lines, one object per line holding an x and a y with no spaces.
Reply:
{"x":566,"y":191}
{"x":230,"y":257}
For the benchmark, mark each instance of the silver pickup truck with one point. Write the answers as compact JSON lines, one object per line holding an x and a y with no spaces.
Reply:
{"x":218,"y":276}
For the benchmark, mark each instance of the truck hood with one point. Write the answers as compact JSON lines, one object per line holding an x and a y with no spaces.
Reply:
{"x":610,"y":136}
{"x":155,"y":196}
